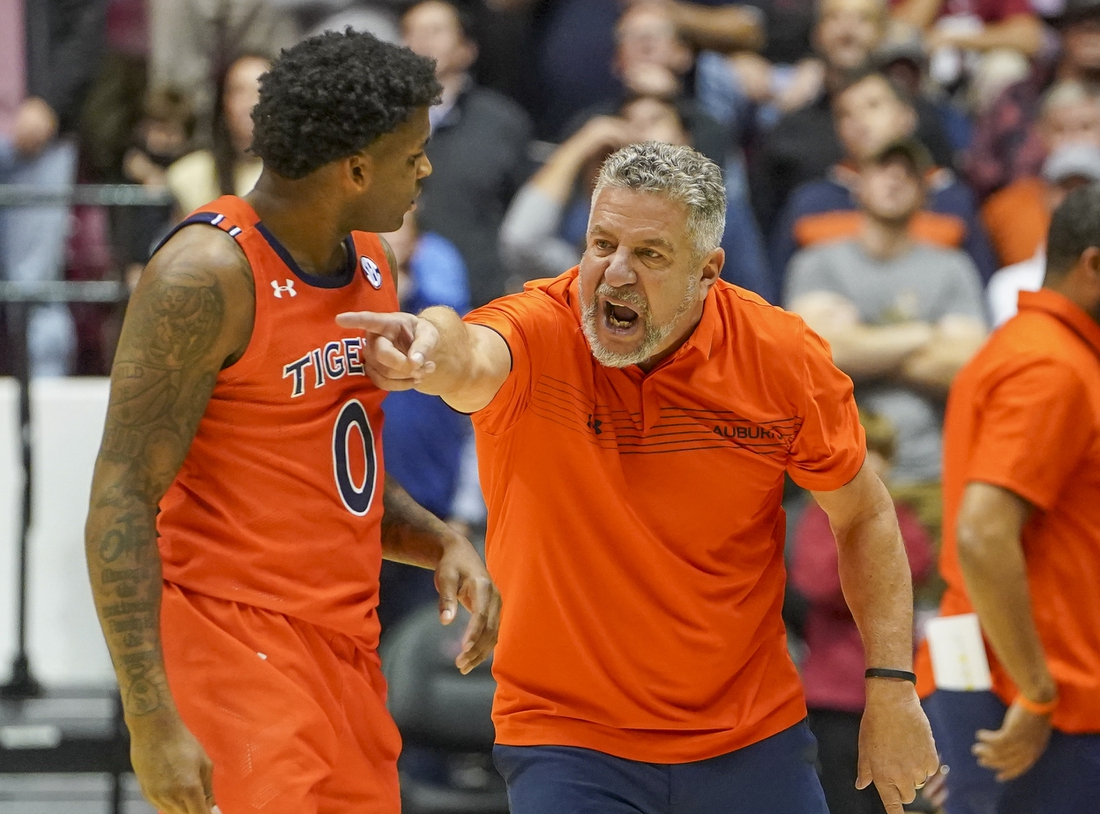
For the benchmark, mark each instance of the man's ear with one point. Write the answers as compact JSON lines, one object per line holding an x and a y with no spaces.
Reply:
{"x":359,"y":171}
{"x":1090,"y":263}
{"x":712,"y":268}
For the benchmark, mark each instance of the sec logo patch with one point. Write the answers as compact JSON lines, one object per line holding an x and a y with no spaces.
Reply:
{"x":371,"y":272}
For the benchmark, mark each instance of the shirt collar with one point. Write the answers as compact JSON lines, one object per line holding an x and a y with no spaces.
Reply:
{"x":1065,"y":311}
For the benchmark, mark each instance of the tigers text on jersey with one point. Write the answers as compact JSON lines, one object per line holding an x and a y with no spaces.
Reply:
{"x":279,"y":502}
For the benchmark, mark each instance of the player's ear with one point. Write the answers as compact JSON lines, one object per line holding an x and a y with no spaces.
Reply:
{"x":359,"y":170}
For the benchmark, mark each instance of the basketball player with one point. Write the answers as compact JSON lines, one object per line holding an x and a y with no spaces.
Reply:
{"x":245,"y":647}
{"x":635,"y":417}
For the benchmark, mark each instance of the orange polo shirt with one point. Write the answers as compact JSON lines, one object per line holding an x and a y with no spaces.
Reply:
{"x":1024,"y":415}
{"x":635,"y":527}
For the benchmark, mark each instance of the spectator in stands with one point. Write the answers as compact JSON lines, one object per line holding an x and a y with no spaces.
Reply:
{"x":190,"y":41}
{"x":49,"y":52}
{"x":901,"y":316}
{"x":545,"y":230}
{"x":166,"y":128}
{"x":227,"y":168}
{"x":654,"y":59}
{"x":870,"y":112}
{"x":478,"y":148}
{"x":655,"y":54}
{"x":804,"y":144}
{"x":1017,"y":216}
{"x":902,"y":57}
{"x":1067,"y":168}
{"x":424,"y":439}
{"x":832,"y":673}
{"x":575,"y":46}
{"x":161,"y":137}
{"x":988,"y":44}
{"x":1007,"y":144}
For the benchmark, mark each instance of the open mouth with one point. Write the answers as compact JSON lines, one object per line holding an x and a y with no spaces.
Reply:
{"x":619,"y":318}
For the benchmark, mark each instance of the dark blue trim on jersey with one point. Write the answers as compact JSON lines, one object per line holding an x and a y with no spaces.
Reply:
{"x":209,"y":218}
{"x":316,"y":280}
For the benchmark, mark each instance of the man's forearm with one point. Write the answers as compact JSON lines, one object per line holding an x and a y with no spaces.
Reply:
{"x":992,"y":562}
{"x":865,"y":351}
{"x":935,"y":366}
{"x":874,"y":573}
{"x":1022,"y":33}
{"x":725,"y":28}
{"x":125,"y":569}
{"x":471,"y":361}
{"x":410,"y":533}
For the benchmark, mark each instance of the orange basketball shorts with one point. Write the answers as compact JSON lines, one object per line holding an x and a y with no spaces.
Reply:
{"x":292,"y":715}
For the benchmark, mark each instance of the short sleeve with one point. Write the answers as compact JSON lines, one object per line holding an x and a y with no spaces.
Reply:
{"x":1030,"y":431}
{"x":528,"y":322}
{"x":808,"y":272}
{"x":829,"y":448}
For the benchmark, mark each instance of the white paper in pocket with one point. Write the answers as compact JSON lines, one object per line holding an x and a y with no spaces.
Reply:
{"x":958,"y":654}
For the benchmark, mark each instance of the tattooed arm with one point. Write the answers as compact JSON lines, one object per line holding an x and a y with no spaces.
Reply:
{"x":413,"y":535}
{"x":190,"y":315}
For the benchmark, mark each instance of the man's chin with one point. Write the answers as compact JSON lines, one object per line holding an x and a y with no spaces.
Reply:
{"x":617,"y":354}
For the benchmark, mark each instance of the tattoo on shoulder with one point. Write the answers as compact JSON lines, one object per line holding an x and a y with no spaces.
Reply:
{"x":174,"y":326}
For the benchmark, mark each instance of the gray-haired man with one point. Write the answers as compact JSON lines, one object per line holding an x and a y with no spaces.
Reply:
{"x":635,"y":418}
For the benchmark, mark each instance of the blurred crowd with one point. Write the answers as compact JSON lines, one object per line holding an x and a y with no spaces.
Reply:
{"x":890,"y":171}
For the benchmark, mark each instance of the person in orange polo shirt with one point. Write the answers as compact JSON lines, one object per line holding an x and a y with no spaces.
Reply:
{"x":635,"y":418}
{"x":1021,"y":543}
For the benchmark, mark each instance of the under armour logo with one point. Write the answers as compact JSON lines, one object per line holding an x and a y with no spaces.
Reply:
{"x":284,"y":289}
{"x":371,"y":272}
{"x":594,"y":424}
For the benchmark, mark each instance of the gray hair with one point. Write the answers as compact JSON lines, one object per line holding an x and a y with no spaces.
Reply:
{"x":680,"y":174}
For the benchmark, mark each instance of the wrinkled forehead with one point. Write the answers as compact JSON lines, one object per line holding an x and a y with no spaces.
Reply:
{"x":634,"y":216}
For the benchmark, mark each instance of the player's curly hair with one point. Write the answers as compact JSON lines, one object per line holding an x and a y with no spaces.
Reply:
{"x":331,"y":95}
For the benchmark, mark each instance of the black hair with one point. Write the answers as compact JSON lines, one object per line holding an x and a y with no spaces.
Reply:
{"x":1074,"y":227}
{"x":858,"y":75}
{"x":332,"y":95}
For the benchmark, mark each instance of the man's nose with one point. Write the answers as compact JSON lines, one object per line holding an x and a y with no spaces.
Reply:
{"x":619,"y":272}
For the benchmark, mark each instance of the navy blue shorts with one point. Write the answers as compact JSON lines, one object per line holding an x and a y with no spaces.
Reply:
{"x":774,"y":776}
{"x":1065,"y":780}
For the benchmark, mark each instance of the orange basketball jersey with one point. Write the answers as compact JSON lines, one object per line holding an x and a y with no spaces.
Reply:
{"x":279,"y":502}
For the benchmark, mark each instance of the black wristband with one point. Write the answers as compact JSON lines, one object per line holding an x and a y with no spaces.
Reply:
{"x":886,"y":672}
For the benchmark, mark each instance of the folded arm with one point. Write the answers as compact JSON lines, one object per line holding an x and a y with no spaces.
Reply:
{"x":954,"y":341}
{"x":860,"y":350}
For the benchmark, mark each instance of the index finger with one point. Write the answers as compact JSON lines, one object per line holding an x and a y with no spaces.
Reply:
{"x":369,"y":321}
